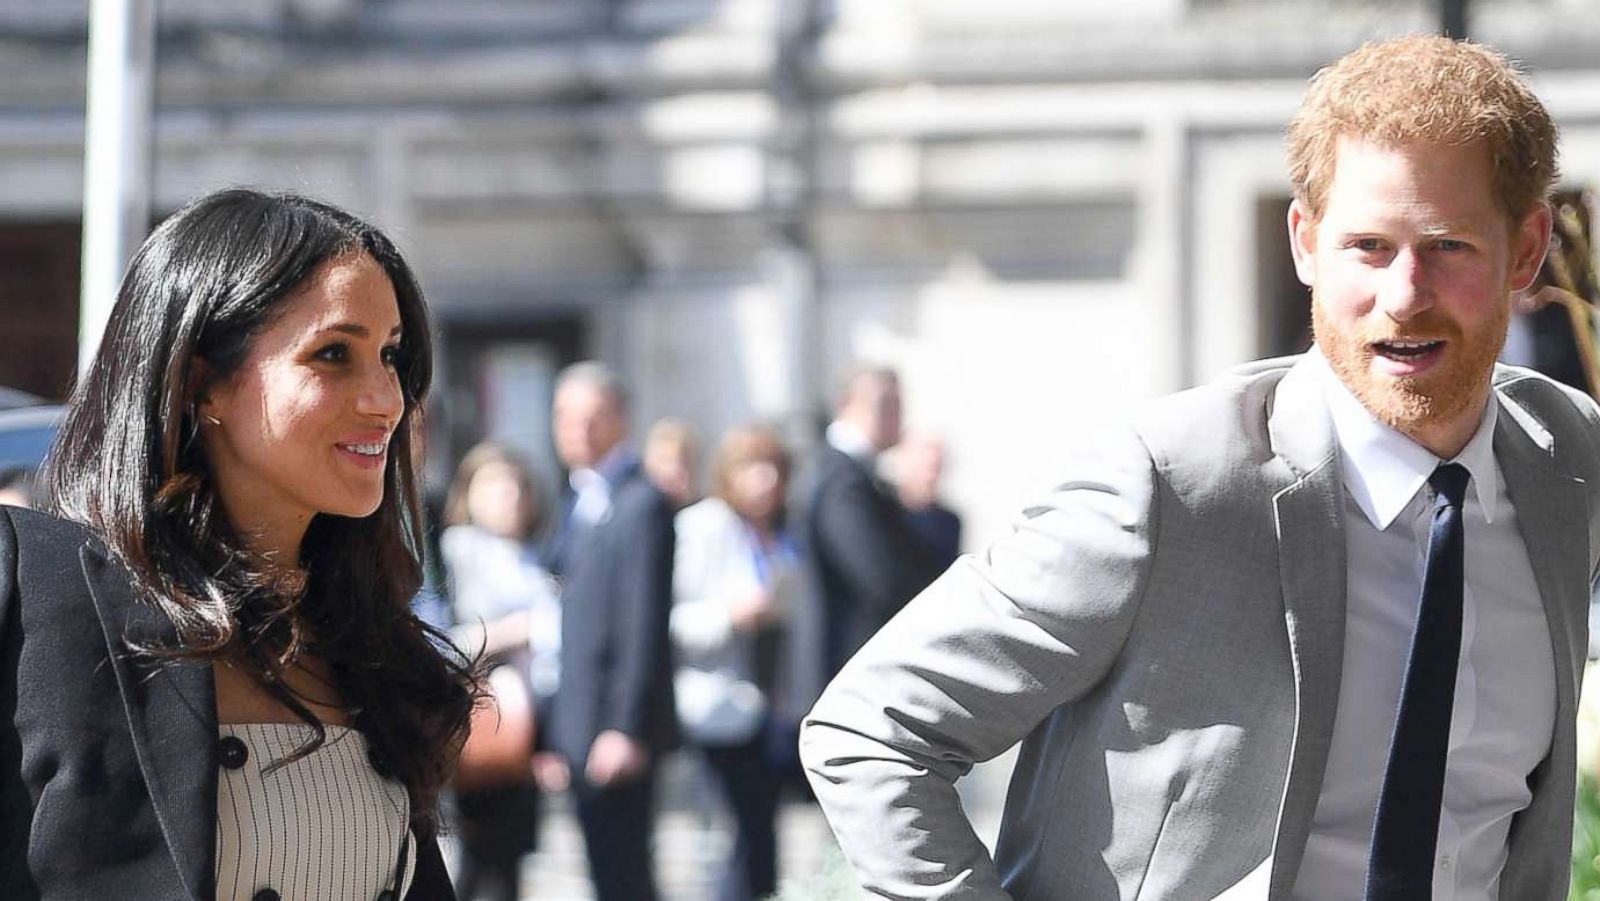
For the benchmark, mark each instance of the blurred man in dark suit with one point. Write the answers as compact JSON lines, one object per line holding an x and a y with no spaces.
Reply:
{"x":613,"y":713}
{"x":862,"y":560}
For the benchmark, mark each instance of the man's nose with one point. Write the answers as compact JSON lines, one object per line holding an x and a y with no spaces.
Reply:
{"x":1403,"y":287}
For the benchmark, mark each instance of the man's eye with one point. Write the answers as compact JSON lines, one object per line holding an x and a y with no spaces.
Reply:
{"x":333,"y":353}
{"x":1449,"y":245}
{"x":1367,"y":245}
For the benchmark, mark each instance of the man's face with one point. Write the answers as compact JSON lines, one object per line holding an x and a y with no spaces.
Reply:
{"x":1411,"y":269}
{"x":874,"y":408}
{"x":587,"y":424}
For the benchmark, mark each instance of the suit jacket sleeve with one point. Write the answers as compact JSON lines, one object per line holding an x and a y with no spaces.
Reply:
{"x":970,"y":666}
{"x":641,"y":608}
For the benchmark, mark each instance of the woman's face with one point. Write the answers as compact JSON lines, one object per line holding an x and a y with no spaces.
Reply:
{"x":303,"y":426}
{"x":496,"y":501}
{"x":757,"y":490}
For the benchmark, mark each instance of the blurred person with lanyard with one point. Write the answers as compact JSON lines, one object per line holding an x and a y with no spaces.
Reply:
{"x":733,"y":580}
{"x":214,"y":687}
{"x":612,"y":717}
{"x":507,"y":609}
{"x":1311,"y":631}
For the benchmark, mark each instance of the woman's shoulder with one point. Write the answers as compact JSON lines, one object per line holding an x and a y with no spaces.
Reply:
{"x":40,"y":558}
{"x":712,"y":513}
{"x":37,"y":531}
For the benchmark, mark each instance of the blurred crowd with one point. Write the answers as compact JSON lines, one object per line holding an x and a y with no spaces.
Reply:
{"x":647,"y":610}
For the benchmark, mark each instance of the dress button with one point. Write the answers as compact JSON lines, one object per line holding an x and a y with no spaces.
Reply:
{"x":232,"y":754}
{"x":265,"y":894}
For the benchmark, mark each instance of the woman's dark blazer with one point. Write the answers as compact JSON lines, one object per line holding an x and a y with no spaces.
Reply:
{"x":108,"y":765}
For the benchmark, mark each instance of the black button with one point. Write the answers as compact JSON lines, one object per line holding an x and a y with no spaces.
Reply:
{"x":265,"y":894}
{"x":386,"y":895}
{"x":232,"y":754}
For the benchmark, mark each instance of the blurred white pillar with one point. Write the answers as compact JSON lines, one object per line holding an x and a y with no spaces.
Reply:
{"x":116,"y":169}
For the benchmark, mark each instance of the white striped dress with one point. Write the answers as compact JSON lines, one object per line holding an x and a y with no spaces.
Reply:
{"x":327,"y":826}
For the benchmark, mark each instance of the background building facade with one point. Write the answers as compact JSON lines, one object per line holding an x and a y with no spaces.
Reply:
{"x":1041,"y":211}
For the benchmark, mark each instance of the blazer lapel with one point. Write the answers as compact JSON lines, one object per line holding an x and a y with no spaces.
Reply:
{"x":1311,"y":564}
{"x":1552,"y":515}
{"x":171,"y":711}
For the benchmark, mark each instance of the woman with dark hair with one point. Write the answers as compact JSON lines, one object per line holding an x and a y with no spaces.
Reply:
{"x":210,"y":683}
{"x":732,"y":581}
{"x":505,"y":603}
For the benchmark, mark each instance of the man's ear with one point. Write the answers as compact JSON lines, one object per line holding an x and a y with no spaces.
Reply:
{"x":1528,"y":246}
{"x":1303,"y":243}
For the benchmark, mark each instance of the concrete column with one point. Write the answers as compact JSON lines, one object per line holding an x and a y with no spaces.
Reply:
{"x":117,"y":156}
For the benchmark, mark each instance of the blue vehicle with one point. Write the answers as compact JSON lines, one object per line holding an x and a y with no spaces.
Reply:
{"x":26,"y":433}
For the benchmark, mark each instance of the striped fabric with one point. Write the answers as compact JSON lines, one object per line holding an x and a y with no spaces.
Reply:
{"x":322,"y":828}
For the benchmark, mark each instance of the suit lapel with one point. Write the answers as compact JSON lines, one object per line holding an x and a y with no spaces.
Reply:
{"x":1311,"y":564}
{"x":1552,"y":515}
{"x":171,"y":711}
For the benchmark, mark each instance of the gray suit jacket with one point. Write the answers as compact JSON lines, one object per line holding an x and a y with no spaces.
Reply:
{"x":1165,"y":631}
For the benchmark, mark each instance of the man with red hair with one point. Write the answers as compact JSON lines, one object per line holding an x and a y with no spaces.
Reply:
{"x":1309,"y":632}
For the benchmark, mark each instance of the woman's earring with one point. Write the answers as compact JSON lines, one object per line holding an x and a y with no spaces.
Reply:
{"x":212,"y":419}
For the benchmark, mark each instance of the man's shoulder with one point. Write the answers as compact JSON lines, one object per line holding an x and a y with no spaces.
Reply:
{"x":1542,"y":395}
{"x":1540,"y":404}
{"x":827,"y":468}
{"x":1225,"y":416}
{"x":635,"y":498}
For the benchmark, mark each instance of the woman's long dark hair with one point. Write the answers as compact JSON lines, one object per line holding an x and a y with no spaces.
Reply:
{"x":127,"y":463}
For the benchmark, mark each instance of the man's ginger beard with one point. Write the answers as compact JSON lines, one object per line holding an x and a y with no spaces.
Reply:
{"x":1408,"y":403}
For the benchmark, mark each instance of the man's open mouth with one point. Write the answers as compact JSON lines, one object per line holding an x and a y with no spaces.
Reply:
{"x":1406,"y":351}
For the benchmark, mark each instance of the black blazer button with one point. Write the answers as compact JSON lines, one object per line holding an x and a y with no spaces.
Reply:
{"x":232,"y":754}
{"x":386,"y":895}
{"x":265,"y":894}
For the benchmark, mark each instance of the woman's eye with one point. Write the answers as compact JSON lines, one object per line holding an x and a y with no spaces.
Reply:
{"x":333,"y":353}
{"x":391,"y":355}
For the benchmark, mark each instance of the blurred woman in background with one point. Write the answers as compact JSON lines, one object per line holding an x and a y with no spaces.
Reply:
{"x":506,"y":608}
{"x":733,"y":576}
{"x":207,"y":639}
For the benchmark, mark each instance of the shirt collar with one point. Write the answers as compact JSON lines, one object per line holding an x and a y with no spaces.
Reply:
{"x":846,"y":438}
{"x":1383,"y":469}
{"x":605,"y":473}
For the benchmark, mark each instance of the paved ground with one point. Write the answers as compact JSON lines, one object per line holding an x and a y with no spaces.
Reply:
{"x":692,"y":835}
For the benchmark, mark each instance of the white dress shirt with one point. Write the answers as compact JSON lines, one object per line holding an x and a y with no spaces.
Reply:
{"x":1504,"y":714}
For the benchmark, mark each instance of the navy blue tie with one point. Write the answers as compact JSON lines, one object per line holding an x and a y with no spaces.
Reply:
{"x":1405,"y":832}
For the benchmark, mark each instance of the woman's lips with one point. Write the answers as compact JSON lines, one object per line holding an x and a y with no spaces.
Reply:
{"x":367,"y":455}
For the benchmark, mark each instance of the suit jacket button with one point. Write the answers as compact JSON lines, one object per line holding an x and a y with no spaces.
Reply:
{"x":386,"y":895}
{"x":232,"y":754}
{"x":265,"y":894}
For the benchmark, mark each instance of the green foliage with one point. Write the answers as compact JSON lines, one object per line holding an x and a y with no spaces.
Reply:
{"x":1586,"y":843}
{"x":833,"y":881}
